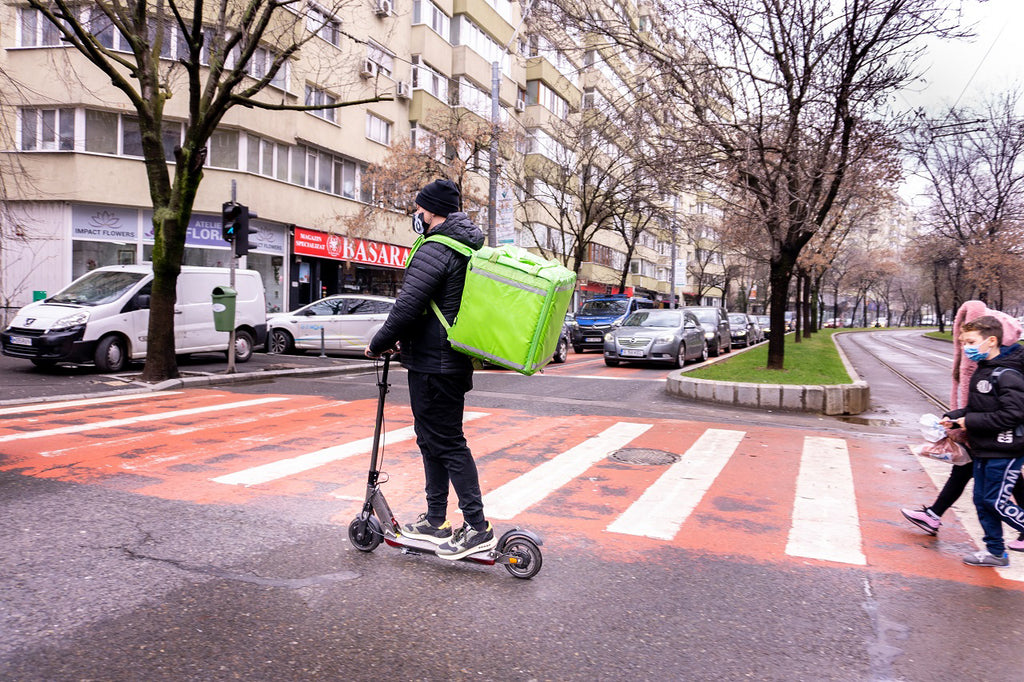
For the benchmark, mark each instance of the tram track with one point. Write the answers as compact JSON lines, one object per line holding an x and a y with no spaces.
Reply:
{"x":866,"y":348}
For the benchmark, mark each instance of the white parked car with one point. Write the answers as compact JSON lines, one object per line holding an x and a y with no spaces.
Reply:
{"x":347,"y":321}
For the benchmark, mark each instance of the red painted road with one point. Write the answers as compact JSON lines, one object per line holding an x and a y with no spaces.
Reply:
{"x":149,"y":447}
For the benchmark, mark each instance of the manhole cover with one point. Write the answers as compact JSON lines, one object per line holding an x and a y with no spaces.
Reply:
{"x":645,"y":456}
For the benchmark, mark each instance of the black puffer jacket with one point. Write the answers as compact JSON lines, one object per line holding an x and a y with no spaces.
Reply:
{"x":995,"y":409}
{"x":436,"y":272}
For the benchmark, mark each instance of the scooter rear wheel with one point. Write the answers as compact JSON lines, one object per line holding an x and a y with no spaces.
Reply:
{"x":526,"y":553}
{"x":365,"y":535}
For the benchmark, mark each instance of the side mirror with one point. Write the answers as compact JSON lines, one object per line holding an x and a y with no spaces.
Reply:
{"x":141,"y":302}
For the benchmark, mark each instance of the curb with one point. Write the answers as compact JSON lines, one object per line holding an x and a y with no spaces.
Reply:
{"x":137,"y":387}
{"x":829,"y":399}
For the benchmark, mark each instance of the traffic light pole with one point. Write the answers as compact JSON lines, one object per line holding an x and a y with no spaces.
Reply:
{"x":231,"y":283}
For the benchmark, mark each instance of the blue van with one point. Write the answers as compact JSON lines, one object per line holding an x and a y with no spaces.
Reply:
{"x":598,"y":316}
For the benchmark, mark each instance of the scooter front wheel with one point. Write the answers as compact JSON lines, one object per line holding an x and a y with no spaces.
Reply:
{"x":524,"y":557}
{"x":365,"y":534}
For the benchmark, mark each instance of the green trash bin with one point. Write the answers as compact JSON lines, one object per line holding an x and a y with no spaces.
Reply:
{"x":224,"y":308}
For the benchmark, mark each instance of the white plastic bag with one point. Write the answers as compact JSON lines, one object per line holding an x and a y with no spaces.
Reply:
{"x":931,"y":430}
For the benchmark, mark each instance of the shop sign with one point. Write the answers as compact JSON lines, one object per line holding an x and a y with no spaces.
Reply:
{"x":205,"y":231}
{"x":340,"y":247}
{"x":104,"y":223}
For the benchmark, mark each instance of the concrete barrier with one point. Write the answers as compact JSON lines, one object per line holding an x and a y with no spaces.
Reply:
{"x":852,"y":398}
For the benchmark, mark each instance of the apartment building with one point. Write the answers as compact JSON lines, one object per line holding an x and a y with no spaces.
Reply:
{"x":76,"y":197}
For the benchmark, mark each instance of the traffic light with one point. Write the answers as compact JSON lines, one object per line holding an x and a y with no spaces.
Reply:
{"x":230,"y":216}
{"x":235,"y":226}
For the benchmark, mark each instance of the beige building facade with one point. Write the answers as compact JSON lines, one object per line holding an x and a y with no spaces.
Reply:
{"x":76,"y":197}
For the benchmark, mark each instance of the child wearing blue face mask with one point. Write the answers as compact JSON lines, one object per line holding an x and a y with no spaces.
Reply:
{"x":994,"y":423}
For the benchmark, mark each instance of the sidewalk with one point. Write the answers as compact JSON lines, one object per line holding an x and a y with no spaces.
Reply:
{"x":23,"y":383}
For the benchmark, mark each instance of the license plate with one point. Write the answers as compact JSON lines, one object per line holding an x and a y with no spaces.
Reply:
{"x":630,"y":353}
{"x":21,"y":340}
{"x":592,"y":339}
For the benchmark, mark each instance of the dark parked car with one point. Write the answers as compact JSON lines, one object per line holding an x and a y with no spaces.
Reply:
{"x":672,"y":336}
{"x":716,"y":327}
{"x":744,"y":329}
{"x":766,"y":325}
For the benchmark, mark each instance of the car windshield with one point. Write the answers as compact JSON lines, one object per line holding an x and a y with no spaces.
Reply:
{"x":97,"y":288}
{"x":762,"y":319}
{"x":603,"y":308}
{"x":653,"y":318}
{"x":738,"y":319}
{"x":707,"y":315}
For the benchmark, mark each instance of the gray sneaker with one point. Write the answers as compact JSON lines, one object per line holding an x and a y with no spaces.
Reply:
{"x":423,"y":530}
{"x":984,"y":558}
{"x":467,"y":541}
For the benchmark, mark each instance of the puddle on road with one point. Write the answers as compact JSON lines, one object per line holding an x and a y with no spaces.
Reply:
{"x":867,"y":421}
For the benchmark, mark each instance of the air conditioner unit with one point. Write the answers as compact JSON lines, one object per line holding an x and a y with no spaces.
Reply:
{"x":383,"y":8}
{"x":520,"y":105}
{"x":403,"y":90}
{"x":369,"y":69}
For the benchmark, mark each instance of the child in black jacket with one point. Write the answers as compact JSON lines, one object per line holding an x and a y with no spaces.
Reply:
{"x":994,"y":421}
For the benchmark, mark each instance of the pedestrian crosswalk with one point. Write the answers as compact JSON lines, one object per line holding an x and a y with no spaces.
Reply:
{"x":773,"y":494}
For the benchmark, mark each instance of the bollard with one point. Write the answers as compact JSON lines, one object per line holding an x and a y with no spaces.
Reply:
{"x":322,"y":353}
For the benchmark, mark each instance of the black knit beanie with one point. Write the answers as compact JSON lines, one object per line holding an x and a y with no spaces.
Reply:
{"x":441,"y":197}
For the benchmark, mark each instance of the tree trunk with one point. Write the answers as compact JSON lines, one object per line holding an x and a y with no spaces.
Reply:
{"x":798,"y":323}
{"x":780,"y":274}
{"x":806,"y":308}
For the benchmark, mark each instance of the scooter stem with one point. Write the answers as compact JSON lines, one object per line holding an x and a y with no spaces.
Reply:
{"x":382,"y":387}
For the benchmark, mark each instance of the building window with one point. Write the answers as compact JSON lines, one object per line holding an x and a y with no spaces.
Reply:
{"x":317,"y":97}
{"x":223,"y":149}
{"x":100,"y":132}
{"x":426,"y":77}
{"x":36,"y":30}
{"x":47,"y":129}
{"x":377,"y":129}
{"x":383,"y":61}
{"x":539,"y":93}
{"x":259,"y":66}
{"x":323,"y":24}
{"x":426,"y":12}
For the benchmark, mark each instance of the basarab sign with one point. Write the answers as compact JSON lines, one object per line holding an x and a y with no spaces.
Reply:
{"x":340,"y":247}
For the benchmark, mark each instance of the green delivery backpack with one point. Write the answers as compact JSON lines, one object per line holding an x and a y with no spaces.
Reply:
{"x":513,"y":305}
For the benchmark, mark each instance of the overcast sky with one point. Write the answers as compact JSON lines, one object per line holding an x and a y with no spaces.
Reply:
{"x":989,"y":63}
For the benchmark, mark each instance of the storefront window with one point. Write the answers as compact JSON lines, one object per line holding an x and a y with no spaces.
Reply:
{"x":87,"y":256}
{"x":272,"y":270}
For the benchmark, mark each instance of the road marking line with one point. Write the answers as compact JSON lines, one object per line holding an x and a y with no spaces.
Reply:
{"x":669,"y":501}
{"x":825,"y":522}
{"x":83,"y":402}
{"x":112,"y":423}
{"x":272,"y":471}
{"x":520,"y":493}
{"x":968,"y":517}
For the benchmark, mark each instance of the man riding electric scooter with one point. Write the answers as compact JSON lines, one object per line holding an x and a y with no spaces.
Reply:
{"x":439,"y":377}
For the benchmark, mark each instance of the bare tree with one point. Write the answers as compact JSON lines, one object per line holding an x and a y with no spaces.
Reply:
{"x":785,"y":98}
{"x":231,"y":51}
{"x":973,"y":161}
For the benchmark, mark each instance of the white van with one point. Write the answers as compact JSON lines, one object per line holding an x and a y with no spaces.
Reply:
{"x":103,"y":318}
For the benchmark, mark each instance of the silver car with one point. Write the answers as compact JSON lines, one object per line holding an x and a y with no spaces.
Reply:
{"x":346,"y":323}
{"x":672,"y":336}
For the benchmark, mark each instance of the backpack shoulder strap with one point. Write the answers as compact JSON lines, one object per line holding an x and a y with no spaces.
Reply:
{"x":452,"y":244}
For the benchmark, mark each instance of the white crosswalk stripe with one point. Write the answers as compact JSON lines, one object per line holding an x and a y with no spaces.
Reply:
{"x":83,"y":402}
{"x":665,"y":506}
{"x":140,"y":419}
{"x":530,"y":488}
{"x":272,"y":471}
{"x":825,"y":522}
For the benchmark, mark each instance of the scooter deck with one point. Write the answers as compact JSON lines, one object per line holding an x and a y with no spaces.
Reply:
{"x":486,"y":556}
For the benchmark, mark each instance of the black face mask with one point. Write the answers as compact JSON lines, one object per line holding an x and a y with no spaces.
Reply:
{"x":418,"y":226}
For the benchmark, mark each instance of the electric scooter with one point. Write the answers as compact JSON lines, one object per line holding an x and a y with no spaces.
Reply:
{"x":518,"y":550}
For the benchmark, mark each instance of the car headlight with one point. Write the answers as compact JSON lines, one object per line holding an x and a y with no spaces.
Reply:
{"x":70,"y":321}
{"x":709,"y":335}
{"x":665,"y":338}
{"x":741,"y":332}
{"x":609,"y":337}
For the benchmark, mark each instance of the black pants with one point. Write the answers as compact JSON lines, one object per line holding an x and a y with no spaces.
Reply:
{"x":955,"y":485}
{"x":438,"y":402}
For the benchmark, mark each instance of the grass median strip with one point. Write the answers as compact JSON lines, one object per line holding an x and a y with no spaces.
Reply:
{"x":813,"y":361}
